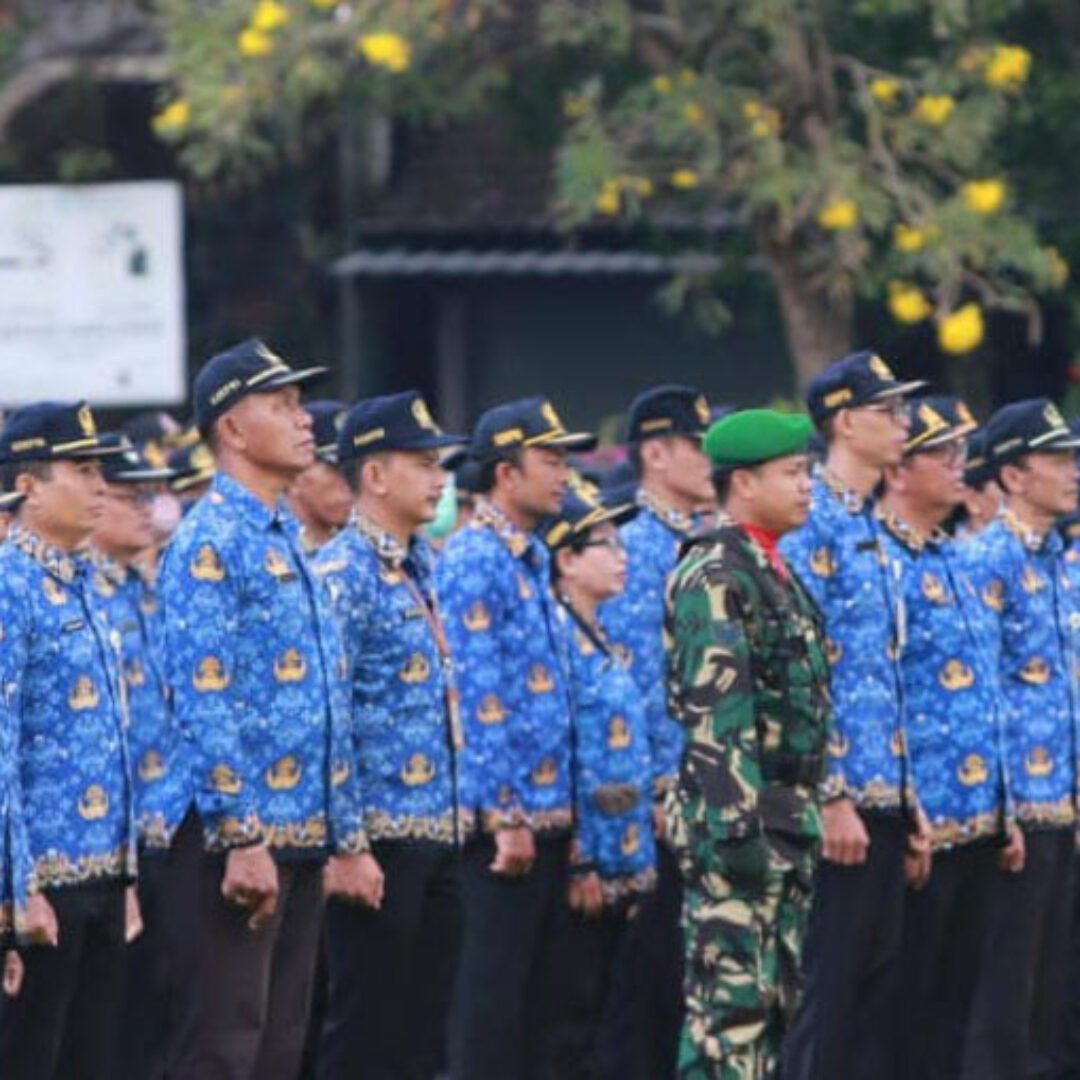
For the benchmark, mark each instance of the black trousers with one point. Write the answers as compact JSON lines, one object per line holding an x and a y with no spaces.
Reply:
{"x":391,"y":971}
{"x":1070,"y":1065}
{"x":62,"y":1025}
{"x":577,"y":992}
{"x":1017,"y":1027}
{"x":142,"y":1035}
{"x":243,"y":995}
{"x":639,"y":1039}
{"x":944,"y":942}
{"x":846,"y":1027}
{"x":496,"y":1018}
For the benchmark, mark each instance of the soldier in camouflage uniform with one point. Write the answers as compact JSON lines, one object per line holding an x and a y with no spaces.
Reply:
{"x":748,"y":680}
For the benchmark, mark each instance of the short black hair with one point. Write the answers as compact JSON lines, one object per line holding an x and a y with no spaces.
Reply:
{"x":10,"y":473}
{"x":485,"y":479}
{"x":721,"y":482}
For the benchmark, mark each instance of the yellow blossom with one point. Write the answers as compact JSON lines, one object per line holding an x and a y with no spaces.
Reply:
{"x":935,"y":109}
{"x":687,"y":76}
{"x":962,"y":330}
{"x":908,"y":239}
{"x":984,"y":196}
{"x":885,"y":91}
{"x":838,"y":215}
{"x":685,"y":179}
{"x":694,"y":113}
{"x":662,"y":84}
{"x":269,"y":15}
{"x":386,"y":50}
{"x":1009,"y":67}
{"x":252,"y":42}
{"x":1059,"y":268}
{"x":751,"y":109}
{"x":907,"y":303}
{"x":173,"y":118}
{"x":608,"y":201}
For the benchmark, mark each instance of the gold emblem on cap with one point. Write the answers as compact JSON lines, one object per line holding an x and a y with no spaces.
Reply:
{"x":1053,"y":416}
{"x":965,"y":414}
{"x":701,"y":407}
{"x":266,"y":353}
{"x":881,"y":369}
{"x":86,"y":421}
{"x":547,"y":411}
{"x":932,"y":420}
{"x":422,"y":416}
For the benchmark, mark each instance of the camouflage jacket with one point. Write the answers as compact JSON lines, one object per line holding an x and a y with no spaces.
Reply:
{"x":748,"y":680}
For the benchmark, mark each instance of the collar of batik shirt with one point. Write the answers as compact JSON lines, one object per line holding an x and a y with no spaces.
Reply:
{"x":676,"y":520}
{"x":520,"y":544}
{"x":226,"y":488}
{"x":907,"y":534}
{"x":63,"y":565}
{"x":1032,"y":540}
{"x":849,"y":498}
{"x":387,"y":546}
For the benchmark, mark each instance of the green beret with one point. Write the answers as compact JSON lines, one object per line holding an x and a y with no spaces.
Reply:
{"x":752,"y":436}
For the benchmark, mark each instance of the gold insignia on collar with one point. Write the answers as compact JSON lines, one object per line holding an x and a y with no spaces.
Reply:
{"x":284,"y":774}
{"x":206,"y":566}
{"x":972,"y":771}
{"x":956,"y":675}
{"x":418,"y":771}
{"x":416,"y":671}
{"x":491,"y":710}
{"x":619,"y":735}
{"x":1038,"y":762}
{"x":93,"y":803}
{"x":546,"y":773}
{"x":84,"y":694}
{"x":54,"y":592}
{"x":151,"y":766}
{"x":210,"y":676}
{"x":422,"y":416}
{"x":86,"y":422}
{"x":540,"y":682}
{"x":290,"y":667}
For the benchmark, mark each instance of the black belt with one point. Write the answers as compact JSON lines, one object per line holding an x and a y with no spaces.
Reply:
{"x":792,"y":769}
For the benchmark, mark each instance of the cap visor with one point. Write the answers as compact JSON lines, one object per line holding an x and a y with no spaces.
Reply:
{"x":572,"y":440}
{"x":186,"y":481}
{"x":1066,"y":442}
{"x":142,"y":476}
{"x":900,"y":389}
{"x":11,"y":501}
{"x":290,"y":378}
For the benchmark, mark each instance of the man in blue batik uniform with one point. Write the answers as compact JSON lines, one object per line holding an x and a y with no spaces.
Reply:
{"x":320,"y":496}
{"x":70,"y":793}
{"x":955,"y":738}
{"x":255,"y":666}
{"x":846,"y":1026}
{"x":1017,"y":564}
{"x":665,"y":427}
{"x":391,"y":969}
{"x":493,"y":583}
{"x":123,"y":532}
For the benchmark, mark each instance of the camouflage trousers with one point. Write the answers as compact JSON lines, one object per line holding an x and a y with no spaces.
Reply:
{"x":743,"y":934}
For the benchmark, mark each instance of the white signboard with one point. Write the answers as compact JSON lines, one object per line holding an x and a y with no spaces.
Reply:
{"x":91,"y":293}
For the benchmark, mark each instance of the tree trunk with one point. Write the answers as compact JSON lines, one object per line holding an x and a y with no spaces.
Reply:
{"x":819,"y":328}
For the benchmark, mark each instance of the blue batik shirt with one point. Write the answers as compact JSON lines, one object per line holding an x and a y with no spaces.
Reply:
{"x":840,"y":558}
{"x":257,"y":671}
{"x":15,"y":861}
{"x":1031,"y":602}
{"x":635,"y":622}
{"x":70,"y":795}
{"x":161,"y":780}
{"x":613,"y":780}
{"x":403,"y":741}
{"x":953,"y":707}
{"x":502,"y":622}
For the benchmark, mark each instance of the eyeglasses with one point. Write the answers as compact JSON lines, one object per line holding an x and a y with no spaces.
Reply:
{"x":894,"y":410}
{"x":616,"y":543}
{"x":133,"y":498}
{"x":952,"y":453}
